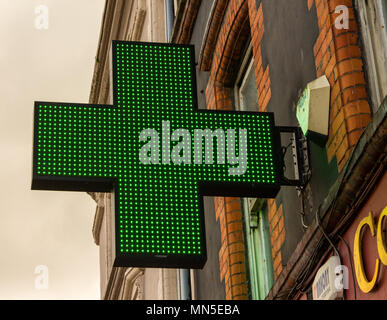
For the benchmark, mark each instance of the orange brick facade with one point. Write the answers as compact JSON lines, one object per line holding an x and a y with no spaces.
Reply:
{"x":277,"y":235}
{"x":276,"y":219}
{"x":232,"y":252}
{"x":337,"y":55}
{"x":262,"y":76}
{"x":227,"y":52}
{"x":238,"y":17}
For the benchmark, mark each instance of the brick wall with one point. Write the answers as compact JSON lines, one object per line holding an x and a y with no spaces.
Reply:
{"x":226,"y":54}
{"x":277,"y":235}
{"x":338,"y":56}
{"x":241,"y":18}
{"x":231,"y":40}
{"x":262,"y":76}
{"x":187,"y":16}
{"x":276,"y":219}
{"x":232,"y":252}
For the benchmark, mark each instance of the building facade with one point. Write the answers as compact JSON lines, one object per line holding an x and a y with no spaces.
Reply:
{"x":257,"y":55}
{"x":260,"y":55}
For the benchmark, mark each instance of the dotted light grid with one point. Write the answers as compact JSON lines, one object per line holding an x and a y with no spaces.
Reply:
{"x":158,"y":204}
{"x":155,"y":83}
{"x":74,"y":141}
{"x":151,"y":81}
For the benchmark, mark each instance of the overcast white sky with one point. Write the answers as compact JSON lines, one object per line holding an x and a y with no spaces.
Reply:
{"x":44,"y":227}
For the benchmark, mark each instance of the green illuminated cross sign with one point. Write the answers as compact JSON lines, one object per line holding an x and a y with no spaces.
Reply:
{"x":157,"y":152}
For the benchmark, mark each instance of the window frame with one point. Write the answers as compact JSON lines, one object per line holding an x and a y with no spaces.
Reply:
{"x":259,"y":257}
{"x":375,"y":47}
{"x":245,"y":67}
{"x":257,"y":235}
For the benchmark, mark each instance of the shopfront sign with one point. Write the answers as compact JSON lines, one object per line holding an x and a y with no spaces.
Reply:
{"x":379,"y":231}
{"x":157,"y":152}
{"x":327,"y":283}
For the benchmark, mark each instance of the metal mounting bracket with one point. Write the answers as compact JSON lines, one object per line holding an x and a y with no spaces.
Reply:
{"x":300,"y":157}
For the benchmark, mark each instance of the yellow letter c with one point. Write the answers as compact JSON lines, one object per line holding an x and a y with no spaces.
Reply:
{"x":380,"y":238}
{"x":365,"y":285}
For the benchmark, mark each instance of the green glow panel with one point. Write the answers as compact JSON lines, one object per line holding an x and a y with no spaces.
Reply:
{"x":159,"y":218}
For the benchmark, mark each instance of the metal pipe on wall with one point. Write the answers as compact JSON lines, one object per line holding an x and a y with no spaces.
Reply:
{"x":185,"y":285}
{"x":169,"y":17}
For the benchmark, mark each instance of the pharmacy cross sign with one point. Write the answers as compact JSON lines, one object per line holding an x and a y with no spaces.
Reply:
{"x":157,"y":152}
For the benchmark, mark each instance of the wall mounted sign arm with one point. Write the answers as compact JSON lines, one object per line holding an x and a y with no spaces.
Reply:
{"x":300,"y":156}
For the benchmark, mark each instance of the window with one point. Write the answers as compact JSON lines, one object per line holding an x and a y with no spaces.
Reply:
{"x":260,"y":264}
{"x":373,"y":23}
{"x":246,"y":86}
{"x":256,"y":224}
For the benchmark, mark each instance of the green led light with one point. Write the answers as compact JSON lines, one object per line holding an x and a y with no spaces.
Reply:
{"x":157,"y":205}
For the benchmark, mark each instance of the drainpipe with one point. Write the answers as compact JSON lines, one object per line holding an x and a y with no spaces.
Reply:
{"x":185,"y":286}
{"x":169,"y":17}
